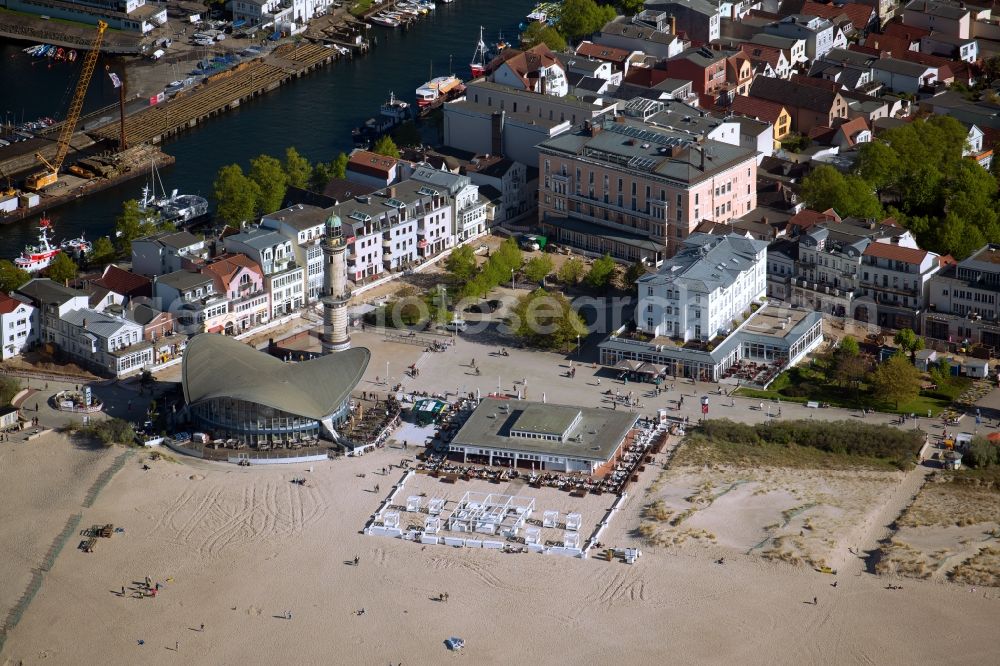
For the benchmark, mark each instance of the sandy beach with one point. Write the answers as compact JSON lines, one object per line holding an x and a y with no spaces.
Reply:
{"x":236,"y":549}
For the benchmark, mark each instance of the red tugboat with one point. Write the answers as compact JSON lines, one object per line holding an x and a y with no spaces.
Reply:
{"x":36,"y":257}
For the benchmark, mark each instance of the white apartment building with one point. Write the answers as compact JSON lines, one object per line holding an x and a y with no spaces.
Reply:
{"x":896,"y":278}
{"x":468,"y":208}
{"x":395,"y":228}
{"x":284,"y":278}
{"x":819,"y":33}
{"x":505,"y":182}
{"x":18,"y":326}
{"x":704,"y":290}
{"x":304,"y":226}
{"x":287,"y":15}
{"x":963,"y":304}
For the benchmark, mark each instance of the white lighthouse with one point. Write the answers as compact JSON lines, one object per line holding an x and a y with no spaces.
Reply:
{"x":335,"y":290}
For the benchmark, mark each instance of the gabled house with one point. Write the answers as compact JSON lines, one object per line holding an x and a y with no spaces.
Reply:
{"x":817,"y":32}
{"x":770,"y":112}
{"x":862,"y":17}
{"x":699,"y":20}
{"x":535,"y":70}
{"x":775,"y":58}
{"x":618,"y":58}
{"x":18,"y":326}
{"x":808,"y":105}
{"x":124,"y":282}
{"x":904,"y":76}
{"x":241,"y":281}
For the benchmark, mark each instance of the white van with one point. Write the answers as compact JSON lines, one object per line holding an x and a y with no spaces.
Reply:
{"x":457,"y":325}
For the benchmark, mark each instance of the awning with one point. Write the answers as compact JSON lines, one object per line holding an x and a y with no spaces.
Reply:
{"x":651,"y":369}
{"x":215,"y":329}
{"x":628,"y":364}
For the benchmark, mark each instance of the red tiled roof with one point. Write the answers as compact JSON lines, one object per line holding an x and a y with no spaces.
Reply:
{"x":601,"y":52}
{"x":525,"y":64}
{"x":852,"y":127}
{"x":808,"y":218}
{"x":822,"y":84}
{"x":896,"y":28}
{"x":224,"y":268}
{"x":365,"y":161}
{"x":8,"y":304}
{"x":124,"y":282}
{"x":886,"y":44}
{"x":860,"y":15}
{"x":894,"y":252}
{"x":754,"y":107}
{"x":769,"y":54}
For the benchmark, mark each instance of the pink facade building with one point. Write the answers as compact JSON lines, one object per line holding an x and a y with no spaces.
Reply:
{"x":240,"y":280}
{"x":636,"y":191}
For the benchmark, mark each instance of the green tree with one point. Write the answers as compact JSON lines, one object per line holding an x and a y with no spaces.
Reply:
{"x":386,"y":146}
{"x":601,"y":272}
{"x":542,"y":33}
{"x":461,"y":263}
{"x":132,"y":223}
{"x":547,"y":320}
{"x":582,"y":18}
{"x":102,"y":253}
{"x":538,"y":268}
{"x":849,"y":195}
{"x":878,"y":164}
{"x":12,"y":277}
{"x":848,"y":346}
{"x":297,"y":168}
{"x":629,"y":7}
{"x":571,"y":271}
{"x":896,"y":380}
{"x":908,"y":341}
{"x":634,"y":272}
{"x":324,"y":172}
{"x":62,"y":269}
{"x":237,"y":195}
{"x":272,"y":181}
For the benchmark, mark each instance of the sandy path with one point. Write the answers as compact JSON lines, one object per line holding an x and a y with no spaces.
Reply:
{"x":868,"y":537}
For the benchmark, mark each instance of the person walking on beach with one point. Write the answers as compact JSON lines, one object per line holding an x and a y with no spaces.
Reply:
{"x":202,"y":627}
{"x":815,"y":601}
{"x":355,"y":560}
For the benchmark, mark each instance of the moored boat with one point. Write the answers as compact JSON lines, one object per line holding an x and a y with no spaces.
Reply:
{"x":437,"y":90}
{"x":37,"y":257}
{"x":478,"y":64}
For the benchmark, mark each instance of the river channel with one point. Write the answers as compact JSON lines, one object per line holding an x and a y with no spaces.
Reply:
{"x":315,"y":113}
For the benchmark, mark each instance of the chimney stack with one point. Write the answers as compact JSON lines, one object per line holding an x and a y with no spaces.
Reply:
{"x":673,"y":24}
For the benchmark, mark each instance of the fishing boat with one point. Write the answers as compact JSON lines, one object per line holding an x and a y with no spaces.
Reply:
{"x":437,"y":90}
{"x":392,"y":113}
{"x":478,"y":64}
{"x":37,"y":257}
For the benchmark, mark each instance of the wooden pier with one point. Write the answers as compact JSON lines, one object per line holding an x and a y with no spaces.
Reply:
{"x":221,"y":92}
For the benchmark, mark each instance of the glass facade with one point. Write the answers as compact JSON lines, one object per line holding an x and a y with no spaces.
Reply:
{"x":254,"y":424}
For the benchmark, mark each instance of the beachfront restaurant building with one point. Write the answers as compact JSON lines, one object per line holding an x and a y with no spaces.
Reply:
{"x":542,"y":436}
{"x":249,"y":398}
{"x":774,"y":337}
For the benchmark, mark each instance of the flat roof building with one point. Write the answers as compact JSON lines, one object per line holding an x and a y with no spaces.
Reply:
{"x":542,"y":436}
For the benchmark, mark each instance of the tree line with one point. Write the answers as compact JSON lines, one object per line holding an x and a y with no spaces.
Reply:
{"x":918,"y":175}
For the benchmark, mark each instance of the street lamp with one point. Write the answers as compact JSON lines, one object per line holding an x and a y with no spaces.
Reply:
{"x":512,"y":288}
{"x":578,"y":347}
{"x":387,"y":373}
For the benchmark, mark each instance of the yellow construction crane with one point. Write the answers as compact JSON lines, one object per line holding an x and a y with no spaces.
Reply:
{"x":50,"y":175}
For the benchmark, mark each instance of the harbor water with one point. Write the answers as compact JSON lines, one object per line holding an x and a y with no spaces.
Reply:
{"x":314,"y":114}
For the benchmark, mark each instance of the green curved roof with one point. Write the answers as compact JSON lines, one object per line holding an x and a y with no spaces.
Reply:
{"x":217,"y":366}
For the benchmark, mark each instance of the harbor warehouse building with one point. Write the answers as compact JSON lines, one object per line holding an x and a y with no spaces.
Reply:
{"x":233,"y":391}
{"x":543,"y":436}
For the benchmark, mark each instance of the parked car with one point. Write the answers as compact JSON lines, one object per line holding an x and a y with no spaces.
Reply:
{"x":458,"y":325}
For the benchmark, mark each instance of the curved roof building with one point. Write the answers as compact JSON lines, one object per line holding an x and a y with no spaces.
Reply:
{"x":234,"y":391}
